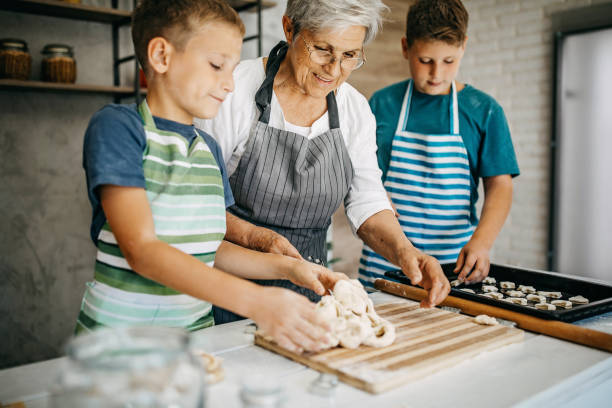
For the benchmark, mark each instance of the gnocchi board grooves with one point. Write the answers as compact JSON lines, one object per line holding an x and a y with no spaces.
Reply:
{"x":427,"y":340}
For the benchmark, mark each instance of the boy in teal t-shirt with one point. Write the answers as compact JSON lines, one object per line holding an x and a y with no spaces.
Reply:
{"x":436,"y":138}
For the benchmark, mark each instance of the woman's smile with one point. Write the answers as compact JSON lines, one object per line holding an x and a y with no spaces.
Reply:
{"x":322,"y":80}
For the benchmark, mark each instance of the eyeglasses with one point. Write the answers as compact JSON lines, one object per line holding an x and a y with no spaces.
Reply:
{"x":324,"y":57}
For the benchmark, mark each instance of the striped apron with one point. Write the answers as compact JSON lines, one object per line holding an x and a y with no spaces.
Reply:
{"x":429,"y":183}
{"x":185,"y":192}
{"x":289,"y":183}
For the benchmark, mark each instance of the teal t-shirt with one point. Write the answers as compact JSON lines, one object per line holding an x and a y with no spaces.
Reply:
{"x":482,"y":125}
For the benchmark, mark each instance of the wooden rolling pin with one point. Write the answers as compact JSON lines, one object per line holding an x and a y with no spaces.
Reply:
{"x":553,"y":328}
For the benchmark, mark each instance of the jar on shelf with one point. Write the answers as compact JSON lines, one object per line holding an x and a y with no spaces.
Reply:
{"x":15,"y":60}
{"x":58,"y":64}
{"x":130,"y":367}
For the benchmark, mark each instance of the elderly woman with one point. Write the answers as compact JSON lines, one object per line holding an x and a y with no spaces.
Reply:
{"x":298,"y":141}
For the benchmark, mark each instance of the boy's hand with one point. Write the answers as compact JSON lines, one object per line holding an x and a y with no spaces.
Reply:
{"x":312,"y":276}
{"x":425,"y":270}
{"x":474,"y":258}
{"x":265,"y":240}
{"x":291,"y":320}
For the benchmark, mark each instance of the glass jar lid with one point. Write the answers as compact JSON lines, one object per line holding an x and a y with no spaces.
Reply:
{"x":13,"y":44}
{"x":57,"y":50}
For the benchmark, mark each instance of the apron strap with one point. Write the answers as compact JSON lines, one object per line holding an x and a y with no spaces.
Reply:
{"x":263,"y":97}
{"x":147,"y":118}
{"x":145,"y":114}
{"x":453,"y":110}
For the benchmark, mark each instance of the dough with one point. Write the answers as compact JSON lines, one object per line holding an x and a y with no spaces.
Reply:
{"x":489,"y":288}
{"x":553,"y":295}
{"x":545,"y":306}
{"x":455,"y":283}
{"x":507,"y":285}
{"x":212,"y":365}
{"x":579,"y":300}
{"x":489,"y":280}
{"x":536,"y":298}
{"x":527,"y":289}
{"x":494,"y":295}
{"x":517,"y":300}
{"x":468,"y":290}
{"x":515,"y":293}
{"x":566,"y":304}
{"x":487,"y":320}
{"x":354,"y":321}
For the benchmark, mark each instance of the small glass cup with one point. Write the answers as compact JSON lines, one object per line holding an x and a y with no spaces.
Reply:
{"x":258,"y":391}
{"x":130,"y":367}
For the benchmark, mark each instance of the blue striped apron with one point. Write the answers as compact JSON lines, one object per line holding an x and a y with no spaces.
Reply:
{"x":429,"y":184}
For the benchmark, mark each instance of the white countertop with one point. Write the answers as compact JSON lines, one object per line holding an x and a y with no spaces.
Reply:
{"x":539,"y":372}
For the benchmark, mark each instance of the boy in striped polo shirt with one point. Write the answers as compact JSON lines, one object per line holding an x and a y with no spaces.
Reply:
{"x":436,"y":138}
{"x":159,"y":191}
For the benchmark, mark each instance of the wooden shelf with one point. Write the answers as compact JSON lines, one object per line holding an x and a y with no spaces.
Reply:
{"x":18,"y":85}
{"x":56,"y":8}
{"x":250,"y":5}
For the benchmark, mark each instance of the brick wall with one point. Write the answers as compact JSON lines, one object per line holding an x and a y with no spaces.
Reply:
{"x":509,"y":56}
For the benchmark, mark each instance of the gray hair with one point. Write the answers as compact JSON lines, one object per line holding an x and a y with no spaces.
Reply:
{"x":314,"y":15}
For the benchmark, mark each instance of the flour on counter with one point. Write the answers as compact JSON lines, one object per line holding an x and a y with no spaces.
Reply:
{"x":486,"y":320}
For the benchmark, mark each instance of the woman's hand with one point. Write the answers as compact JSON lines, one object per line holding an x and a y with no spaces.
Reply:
{"x":425,"y":270}
{"x":312,"y":276}
{"x":474,"y":258}
{"x":290,"y":319}
{"x":265,"y":240}
{"x":383,"y":233}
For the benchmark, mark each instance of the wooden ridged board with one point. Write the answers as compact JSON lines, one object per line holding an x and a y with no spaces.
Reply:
{"x":427,"y":340}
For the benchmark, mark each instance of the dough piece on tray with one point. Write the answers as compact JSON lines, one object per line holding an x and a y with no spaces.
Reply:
{"x":579,"y":300}
{"x":455,"y":283}
{"x":552,"y":295}
{"x":489,"y":288}
{"x":566,"y":304}
{"x":517,"y":300}
{"x":507,"y":285}
{"x":354,"y":321}
{"x":468,"y":290}
{"x":485,"y":319}
{"x":527,"y":289}
{"x":515,"y":293}
{"x":545,"y":306}
{"x":536,"y":298}
{"x":489,"y":280}
{"x":494,"y":295}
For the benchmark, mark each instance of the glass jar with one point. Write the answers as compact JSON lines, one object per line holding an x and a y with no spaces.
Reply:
{"x":258,"y":391}
{"x":58,"y":64}
{"x":15,"y":60}
{"x":130,"y":367}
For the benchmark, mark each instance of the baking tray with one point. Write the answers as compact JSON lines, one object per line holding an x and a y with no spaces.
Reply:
{"x":598,"y":293}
